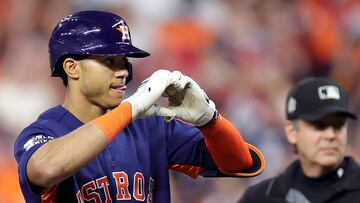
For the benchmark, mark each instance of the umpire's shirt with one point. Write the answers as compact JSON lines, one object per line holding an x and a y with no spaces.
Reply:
{"x":341,"y":186}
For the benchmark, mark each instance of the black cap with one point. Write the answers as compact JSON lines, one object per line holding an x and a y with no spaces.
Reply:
{"x":313,"y":98}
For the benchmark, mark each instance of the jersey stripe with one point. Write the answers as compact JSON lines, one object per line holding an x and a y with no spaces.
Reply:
{"x":192,"y":171}
{"x":50,"y":196}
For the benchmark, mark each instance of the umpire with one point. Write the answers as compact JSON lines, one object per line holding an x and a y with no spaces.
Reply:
{"x":317,"y":110}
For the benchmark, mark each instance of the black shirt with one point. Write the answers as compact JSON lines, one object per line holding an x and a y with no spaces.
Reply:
{"x":341,"y":186}
{"x":319,"y":189}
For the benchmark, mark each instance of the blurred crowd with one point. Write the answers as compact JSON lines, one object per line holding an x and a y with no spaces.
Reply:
{"x":245,"y":54}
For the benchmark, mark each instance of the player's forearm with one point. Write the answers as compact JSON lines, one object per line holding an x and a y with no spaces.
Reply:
{"x":64,"y":156}
{"x":227,"y":147}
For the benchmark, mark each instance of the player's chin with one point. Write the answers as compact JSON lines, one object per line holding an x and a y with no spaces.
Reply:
{"x":114,"y":94}
{"x":116,"y":103}
{"x":331,"y":159}
{"x":113,"y":102}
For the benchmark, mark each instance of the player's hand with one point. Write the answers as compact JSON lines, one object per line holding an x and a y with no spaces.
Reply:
{"x":142,"y":101}
{"x":189,"y":103}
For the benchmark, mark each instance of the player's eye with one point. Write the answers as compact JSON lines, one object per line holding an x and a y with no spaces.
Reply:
{"x":109,"y":61}
{"x":338,"y":125}
{"x":320,"y":125}
{"x":113,"y":62}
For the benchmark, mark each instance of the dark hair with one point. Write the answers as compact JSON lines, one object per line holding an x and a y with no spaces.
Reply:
{"x":295,"y":123}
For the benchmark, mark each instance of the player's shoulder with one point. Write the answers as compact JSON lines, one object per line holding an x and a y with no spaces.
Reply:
{"x":56,"y":113}
{"x":45,"y":128}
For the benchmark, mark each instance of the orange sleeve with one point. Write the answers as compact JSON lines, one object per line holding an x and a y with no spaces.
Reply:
{"x":114,"y":121}
{"x":227,"y":147}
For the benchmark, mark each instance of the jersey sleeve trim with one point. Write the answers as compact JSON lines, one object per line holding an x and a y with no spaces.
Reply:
{"x":257,"y":167}
{"x":50,"y":196}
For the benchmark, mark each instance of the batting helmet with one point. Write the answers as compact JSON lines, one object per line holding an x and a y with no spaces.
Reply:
{"x":91,"y":33}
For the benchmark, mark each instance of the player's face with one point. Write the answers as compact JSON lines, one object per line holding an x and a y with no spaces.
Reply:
{"x":322,"y":143}
{"x":103,"y":80}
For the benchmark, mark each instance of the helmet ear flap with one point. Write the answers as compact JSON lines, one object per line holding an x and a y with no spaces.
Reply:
{"x":128,"y":66}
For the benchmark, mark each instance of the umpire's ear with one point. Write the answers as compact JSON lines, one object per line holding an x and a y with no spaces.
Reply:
{"x":291,"y":130}
{"x":72,"y":68}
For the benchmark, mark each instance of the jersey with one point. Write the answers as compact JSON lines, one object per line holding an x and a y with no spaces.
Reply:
{"x":132,"y":168}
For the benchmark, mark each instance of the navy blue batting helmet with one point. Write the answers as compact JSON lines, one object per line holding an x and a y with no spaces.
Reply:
{"x":91,"y":33}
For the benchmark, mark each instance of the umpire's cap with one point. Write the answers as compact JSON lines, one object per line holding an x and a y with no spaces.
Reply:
{"x":90,"y":33}
{"x":313,"y":98}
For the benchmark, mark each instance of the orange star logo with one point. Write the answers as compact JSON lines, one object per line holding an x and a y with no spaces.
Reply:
{"x":120,"y":29}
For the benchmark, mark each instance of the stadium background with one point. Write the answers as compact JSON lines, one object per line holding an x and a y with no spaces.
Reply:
{"x":246,"y":55}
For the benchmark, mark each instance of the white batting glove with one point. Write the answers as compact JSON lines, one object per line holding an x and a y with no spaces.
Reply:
{"x":142,"y":101}
{"x":189,"y":103}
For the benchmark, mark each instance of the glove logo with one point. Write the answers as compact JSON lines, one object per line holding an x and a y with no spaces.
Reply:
{"x":124,"y":29}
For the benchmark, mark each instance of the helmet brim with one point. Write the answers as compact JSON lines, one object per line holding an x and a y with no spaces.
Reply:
{"x":106,"y":50}
{"x":119,"y":48}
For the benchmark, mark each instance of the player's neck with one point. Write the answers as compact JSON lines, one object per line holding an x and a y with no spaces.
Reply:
{"x":81,"y":108}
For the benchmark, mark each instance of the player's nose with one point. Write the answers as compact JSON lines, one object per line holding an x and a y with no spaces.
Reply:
{"x":330,"y":132}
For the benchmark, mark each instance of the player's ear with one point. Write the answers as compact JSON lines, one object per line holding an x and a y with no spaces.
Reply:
{"x":291,"y":129}
{"x":72,"y":68}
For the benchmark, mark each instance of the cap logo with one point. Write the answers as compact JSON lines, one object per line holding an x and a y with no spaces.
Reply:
{"x":124,"y":29}
{"x":329,"y":92}
{"x":291,"y":107}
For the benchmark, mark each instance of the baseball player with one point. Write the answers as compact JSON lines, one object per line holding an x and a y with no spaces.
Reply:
{"x":317,"y":112}
{"x":99,"y":147}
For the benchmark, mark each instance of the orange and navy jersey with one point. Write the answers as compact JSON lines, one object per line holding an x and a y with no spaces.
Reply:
{"x":133,"y":168}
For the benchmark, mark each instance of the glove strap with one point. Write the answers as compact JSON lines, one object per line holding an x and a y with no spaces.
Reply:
{"x":211,"y":122}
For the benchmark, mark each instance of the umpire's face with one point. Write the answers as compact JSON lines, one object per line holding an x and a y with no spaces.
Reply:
{"x":320,"y":144}
{"x":99,"y":80}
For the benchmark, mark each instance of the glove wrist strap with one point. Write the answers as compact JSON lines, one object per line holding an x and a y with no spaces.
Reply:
{"x":211,"y":122}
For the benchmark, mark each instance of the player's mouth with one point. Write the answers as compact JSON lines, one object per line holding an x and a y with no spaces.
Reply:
{"x":329,"y":149}
{"x":119,"y":88}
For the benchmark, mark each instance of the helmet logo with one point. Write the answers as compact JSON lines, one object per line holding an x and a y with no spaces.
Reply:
{"x":124,"y":29}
